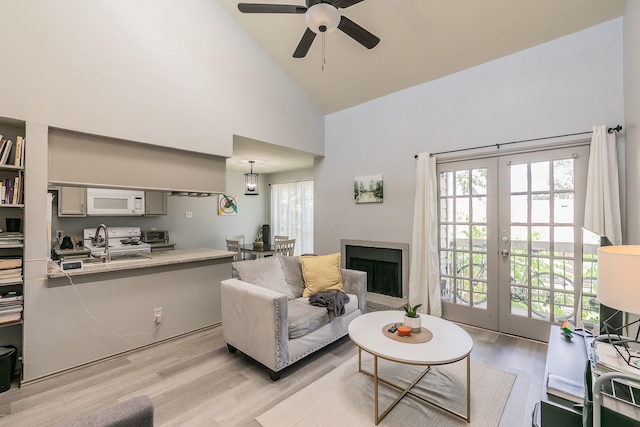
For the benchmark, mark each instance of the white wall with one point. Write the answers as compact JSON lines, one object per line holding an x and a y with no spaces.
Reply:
{"x":565,"y":86}
{"x":631,"y":70}
{"x":180,"y":74}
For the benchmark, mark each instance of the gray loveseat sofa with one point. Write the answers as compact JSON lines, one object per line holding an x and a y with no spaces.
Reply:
{"x":265,"y":316}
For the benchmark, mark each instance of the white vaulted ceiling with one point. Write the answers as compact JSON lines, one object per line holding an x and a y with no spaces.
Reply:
{"x":421,"y":41}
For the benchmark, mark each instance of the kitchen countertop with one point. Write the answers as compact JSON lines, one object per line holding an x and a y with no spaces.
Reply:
{"x":155,"y":259}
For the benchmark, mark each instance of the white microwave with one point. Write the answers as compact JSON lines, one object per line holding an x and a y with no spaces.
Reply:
{"x":106,"y":201}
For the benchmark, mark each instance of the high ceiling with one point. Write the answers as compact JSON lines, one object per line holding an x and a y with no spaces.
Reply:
{"x":421,"y":40}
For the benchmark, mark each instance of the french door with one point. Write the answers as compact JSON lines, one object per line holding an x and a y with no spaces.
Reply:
{"x":510,"y":243}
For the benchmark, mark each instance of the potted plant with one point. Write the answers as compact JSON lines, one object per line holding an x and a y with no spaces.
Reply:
{"x":258,"y":243}
{"x":412,"y":317}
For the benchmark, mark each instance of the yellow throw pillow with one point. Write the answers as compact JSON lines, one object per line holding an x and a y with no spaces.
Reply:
{"x":321,"y":273}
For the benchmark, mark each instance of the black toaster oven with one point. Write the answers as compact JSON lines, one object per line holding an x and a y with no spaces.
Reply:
{"x":155,"y":236}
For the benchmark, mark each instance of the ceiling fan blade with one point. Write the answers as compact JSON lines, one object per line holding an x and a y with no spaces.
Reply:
{"x":305,"y":44}
{"x":270,"y":8}
{"x":341,"y":4}
{"x":356,"y":32}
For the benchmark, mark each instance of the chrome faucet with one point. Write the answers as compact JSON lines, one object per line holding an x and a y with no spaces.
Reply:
{"x":106,"y":256}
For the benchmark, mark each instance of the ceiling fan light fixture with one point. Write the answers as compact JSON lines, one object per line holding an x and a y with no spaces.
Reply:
{"x":322,"y":18}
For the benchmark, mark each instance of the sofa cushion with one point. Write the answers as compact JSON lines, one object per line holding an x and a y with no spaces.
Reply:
{"x":321,"y":273}
{"x":264,"y":272}
{"x":304,"y":317}
{"x":293,"y":274}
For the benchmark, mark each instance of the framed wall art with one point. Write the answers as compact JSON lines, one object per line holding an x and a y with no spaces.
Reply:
{"x":368,"y":189}
{"x":227,"y":205}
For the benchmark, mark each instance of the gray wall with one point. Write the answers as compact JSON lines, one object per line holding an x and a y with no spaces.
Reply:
{"x":631,"y":69}
{"x":565,"y":86}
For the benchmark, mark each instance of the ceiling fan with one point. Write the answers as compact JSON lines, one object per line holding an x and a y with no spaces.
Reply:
{"x":322,"y":16}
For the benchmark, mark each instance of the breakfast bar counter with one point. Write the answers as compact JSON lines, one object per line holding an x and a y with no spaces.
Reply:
{"x":106,"y":309}
{"x":148,"y":260}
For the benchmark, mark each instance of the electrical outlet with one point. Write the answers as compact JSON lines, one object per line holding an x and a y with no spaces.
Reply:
{"x":157,"y":314}
{"x":59,"y":234}
{"x":188,"y":214}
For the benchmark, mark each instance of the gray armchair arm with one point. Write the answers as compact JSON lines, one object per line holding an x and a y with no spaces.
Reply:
{"x":355,"y":282}
{"x":254,"y":320}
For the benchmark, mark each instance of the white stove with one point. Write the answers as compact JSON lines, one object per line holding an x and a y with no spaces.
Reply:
{"x":122,"y":241}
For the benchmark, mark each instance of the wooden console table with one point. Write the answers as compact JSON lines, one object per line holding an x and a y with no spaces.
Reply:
{"x":567,"y":358}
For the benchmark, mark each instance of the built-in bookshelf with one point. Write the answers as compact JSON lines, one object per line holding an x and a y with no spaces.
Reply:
{"x":12,"y":178}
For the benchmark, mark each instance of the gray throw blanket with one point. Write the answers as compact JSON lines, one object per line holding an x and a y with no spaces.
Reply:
{"x":333,"y":300}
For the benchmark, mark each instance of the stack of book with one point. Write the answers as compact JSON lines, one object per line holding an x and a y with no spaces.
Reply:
{"x":11,"y":190}
{"x":12,"y":153}
{"x":10,"y":270}
{"x":11,"y":238}
{"x":10,"y":307}
{"x":607,"y":359}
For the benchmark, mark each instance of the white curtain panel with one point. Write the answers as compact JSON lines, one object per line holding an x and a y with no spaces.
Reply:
{"x":292,"y":213}
{"x":424,"y":276}
{"x":602,"y":208}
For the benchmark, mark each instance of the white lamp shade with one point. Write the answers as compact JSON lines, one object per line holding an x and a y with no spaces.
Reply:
{"x":619,"y":277}
{"x":322,"y":14}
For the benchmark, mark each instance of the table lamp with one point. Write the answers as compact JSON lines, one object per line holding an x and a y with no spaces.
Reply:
{"x":619,"y":288}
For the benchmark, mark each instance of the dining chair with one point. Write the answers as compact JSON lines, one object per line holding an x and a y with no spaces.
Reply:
{"x":276,"y":238}
{"x":239,"y":237}
{"x":284,"y":247}
{"x":234,"y":246}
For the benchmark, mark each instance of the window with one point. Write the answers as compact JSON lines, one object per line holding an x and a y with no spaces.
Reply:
{"x":292,"y":213}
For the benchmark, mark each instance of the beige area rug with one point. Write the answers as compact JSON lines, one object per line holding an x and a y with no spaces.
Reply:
{"x":344,"y":397}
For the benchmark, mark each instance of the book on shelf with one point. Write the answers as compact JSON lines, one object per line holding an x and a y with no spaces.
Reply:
{"x":11,"y":308}
{"x":18,"y":155}
{"x":8,"y":194}
{"x":5,"y":153}
{"x":12,"y":315}
{"x":12,"y":272}
{"x":6,"y":263}
{"x":3,"y":146}
{"x":565,"y":388}
{"x":24,"y":142}
{"x":11,"y":298}
{"x":11,"y":235}
{"x":10,"y":280}
{"x":10,"y":318}
{"x":16,"y":188}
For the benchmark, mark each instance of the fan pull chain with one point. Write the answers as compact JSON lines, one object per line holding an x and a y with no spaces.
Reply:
{"x":323,"y":51}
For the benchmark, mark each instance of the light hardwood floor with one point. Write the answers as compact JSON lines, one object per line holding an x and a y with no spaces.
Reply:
{"x":194,"y":381}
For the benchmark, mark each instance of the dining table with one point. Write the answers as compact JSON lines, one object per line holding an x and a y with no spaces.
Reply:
{"x":258,"y":251}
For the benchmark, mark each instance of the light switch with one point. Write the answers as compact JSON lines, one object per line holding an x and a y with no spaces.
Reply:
{"x":188,"y":214}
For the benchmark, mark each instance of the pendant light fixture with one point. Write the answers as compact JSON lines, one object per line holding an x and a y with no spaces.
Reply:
{"x":251,"y":182}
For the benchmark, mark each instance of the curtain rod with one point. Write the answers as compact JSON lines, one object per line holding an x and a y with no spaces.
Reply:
{"x":610,"y":130}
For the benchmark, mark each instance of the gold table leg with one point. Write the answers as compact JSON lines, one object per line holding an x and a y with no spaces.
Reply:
{"x":405,"y":391}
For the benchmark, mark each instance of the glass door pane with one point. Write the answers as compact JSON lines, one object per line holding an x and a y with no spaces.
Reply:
{"x":466,"y":203}
{"x":541,"y":239}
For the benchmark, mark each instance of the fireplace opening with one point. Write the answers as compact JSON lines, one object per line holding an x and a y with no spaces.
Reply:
{"x":382,"y":265}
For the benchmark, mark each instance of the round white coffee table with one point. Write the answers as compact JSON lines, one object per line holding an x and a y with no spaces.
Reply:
{"x":450,"y":343}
